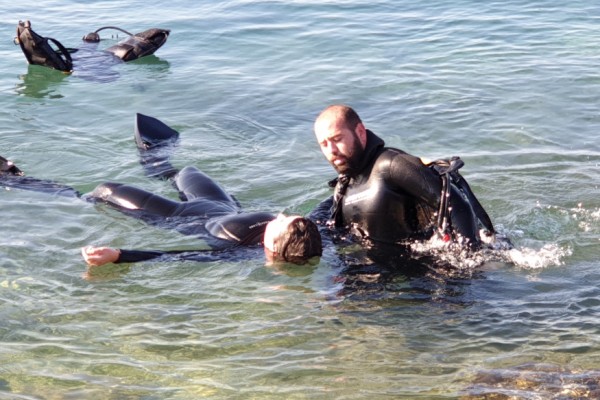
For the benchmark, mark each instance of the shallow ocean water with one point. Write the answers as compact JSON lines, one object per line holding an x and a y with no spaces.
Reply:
{"x":511,"y":87}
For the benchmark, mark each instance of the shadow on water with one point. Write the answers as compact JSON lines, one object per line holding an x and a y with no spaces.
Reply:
{"x":107,"y":273}
{"x":40,"y":82}
{"x":92,"y":64}
{"x":89,"y":64}
{"x":4,"y":385}
{"x":388,"y":273}
{"x":156,"y":64}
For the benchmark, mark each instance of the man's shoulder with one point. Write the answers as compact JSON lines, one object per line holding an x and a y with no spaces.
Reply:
{"x":394,"y":151}
{"x":394,"y":160}
{"x":395,"y":154}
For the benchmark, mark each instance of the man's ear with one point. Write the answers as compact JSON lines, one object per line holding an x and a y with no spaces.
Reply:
{"x":361,"y":133}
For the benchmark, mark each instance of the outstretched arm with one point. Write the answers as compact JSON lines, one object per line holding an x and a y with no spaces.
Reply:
{"x":97,"y":256}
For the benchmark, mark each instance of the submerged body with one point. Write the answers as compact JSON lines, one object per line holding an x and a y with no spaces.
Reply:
{"x":208,"y":212}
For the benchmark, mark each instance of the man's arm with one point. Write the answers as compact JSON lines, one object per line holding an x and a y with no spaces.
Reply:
{"x":322,"y":212}
{"x":412,"y":176}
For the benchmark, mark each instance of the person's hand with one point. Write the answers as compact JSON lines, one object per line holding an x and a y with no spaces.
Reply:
{"x":96,"y":256}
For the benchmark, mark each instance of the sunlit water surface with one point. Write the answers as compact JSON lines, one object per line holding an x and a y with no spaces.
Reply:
{"x":512,"y":87}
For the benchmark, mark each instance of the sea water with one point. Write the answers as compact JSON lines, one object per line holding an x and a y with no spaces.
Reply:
{"x":511,"y":87}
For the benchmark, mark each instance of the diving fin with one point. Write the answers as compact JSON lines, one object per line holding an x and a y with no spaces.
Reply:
{"x":151,"y":132}
{"x":154,"y":140}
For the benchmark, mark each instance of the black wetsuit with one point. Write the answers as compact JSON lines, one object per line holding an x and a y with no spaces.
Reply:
{"x":394,"y":197}
{"x":208,"y":212}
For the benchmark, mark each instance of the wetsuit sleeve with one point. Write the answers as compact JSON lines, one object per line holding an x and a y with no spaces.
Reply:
{"x":409,"y":174}
{"x":132,"y":256}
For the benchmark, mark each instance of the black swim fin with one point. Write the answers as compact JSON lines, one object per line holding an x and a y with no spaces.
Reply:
{"x":151,"y":132}
{"x":154,"y":140}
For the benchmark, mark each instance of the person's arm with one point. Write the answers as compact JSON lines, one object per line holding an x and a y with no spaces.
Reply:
{"x":412,"y":176}
{"x":97,"y":256}
{"x":322,"y":212}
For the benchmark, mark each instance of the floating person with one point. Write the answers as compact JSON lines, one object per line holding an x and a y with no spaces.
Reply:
{"x":39,"y":50}
{"x":206,"y":210}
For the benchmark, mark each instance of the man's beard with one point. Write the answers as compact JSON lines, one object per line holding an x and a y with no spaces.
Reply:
{"x":353,"y":163}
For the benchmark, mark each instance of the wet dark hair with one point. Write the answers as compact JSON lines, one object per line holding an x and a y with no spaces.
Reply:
{"x":299,"y":242}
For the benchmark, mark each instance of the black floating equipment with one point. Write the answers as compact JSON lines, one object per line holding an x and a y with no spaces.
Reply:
{"x":136,"y":45}
{"x":39,"y":51}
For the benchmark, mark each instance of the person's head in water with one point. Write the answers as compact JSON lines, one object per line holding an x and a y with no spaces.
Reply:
{"x":292,"y":239}
{"x":342,"y":137}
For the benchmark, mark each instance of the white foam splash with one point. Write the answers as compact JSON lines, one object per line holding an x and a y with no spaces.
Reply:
{"x":500,"y":251}
{"x":549,"y":255}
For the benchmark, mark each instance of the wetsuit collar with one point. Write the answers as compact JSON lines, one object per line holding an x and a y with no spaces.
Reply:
{"x":374,"y":146}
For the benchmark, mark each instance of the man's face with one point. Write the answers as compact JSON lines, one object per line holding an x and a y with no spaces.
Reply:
{"x":341,"y":145}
